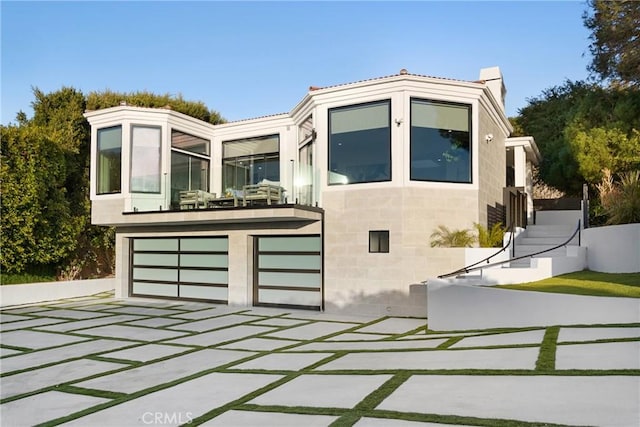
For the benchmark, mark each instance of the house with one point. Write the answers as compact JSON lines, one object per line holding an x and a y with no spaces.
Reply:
{"x":328,"y":207}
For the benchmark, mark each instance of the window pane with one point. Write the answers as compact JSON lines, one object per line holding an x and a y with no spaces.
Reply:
{"x":250,"y":146}
{"x":145,"y":159}
{"x":188,"y":173}
{"x":379,"y":241}
{"x":440,"y":142}
{"x":250,"y":161}
{"x":360,"y":144}
{"x":109,"y":160}
{"x":188,"y":142}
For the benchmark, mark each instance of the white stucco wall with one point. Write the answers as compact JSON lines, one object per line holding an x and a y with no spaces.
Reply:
{"x":613,"y":249}
{"x":30,"y":293}
{"x":466,"y":307}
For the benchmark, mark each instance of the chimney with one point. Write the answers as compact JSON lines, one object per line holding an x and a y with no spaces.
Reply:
{"x":492,"y":77}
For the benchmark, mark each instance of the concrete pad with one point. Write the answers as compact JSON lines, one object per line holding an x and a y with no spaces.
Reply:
{"x":593,"y":400}
{"x":33,"y":359}
{"x":511,"y":338}
{"x":500,"y":358}
{"x":592,"y":334}
{"x":144,"y":311}
{"x":368,"y":345}
{"x":395,"y":325}
{"x":130,"y":332}
{"x":37,"y":379}
{"x":611,"y":355}
{"x":210,"y":312}
{"x":221,"y":335}
{"x":279,"y":321}
{"x":258,"y":344}
{"x":4,"y":317}
{"x":50,"y":405}
{"x":91,"y":306}
{"x":89,"y":323}
{"x":35,"y":340}
{"x":30,"y":323}
{"x":311,"y":331}
{"x":329,"y":317}
{"x":196,"y":397}
{"x":357,"y":337}
{"x":325,"y":391}
{"x":156,"y":322}
{"x":253,"y":419}
{"x":25,"y":310}
{"x":423,"y":335}
{"x":7,"y":352}
{"x":267,"y":311}
{"x":387,"y":422}
{"x":283,"y":361}
{"x":214,"y":323}
{"x":146,"y":353}
{"x":162,"y":372}
{"x":192,"y":306}
{"x":73,"y":314}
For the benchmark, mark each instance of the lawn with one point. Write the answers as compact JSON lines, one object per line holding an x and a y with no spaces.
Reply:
{"x":587,"y":283}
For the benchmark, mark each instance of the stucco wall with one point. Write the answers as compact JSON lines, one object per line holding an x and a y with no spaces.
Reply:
{"x":465,"y":307}
{"x":379,"y":283}
{"x":492,"y":163}
{"x":613,"y":249}
{"x":30,"y":293}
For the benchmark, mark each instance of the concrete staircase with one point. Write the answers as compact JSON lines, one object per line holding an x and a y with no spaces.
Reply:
{"x":552,"y":228}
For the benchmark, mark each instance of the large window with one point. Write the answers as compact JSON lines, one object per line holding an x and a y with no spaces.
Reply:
{"x":360,"y":143}
{"x":189,"y":163}
{"x":109,"y":160}
{"x":145,"y":159}
{"x":249,"y":161}
{"x":440,"y":141}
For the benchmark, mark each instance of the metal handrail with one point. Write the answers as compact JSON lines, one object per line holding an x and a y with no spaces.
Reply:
{"x":470,"y":269}
{"x":464,"y":269}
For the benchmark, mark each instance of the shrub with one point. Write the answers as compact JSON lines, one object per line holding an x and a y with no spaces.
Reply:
{"x":490,"y":238}
{"x":620,"y":200}
{"x":443,"y":237}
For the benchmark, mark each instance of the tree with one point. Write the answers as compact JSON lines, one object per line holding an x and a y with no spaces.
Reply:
{"x":615,"y":39}
{"x":44,"y":173}
{"x":582,"y":128}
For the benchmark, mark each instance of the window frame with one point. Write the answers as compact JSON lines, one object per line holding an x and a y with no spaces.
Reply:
{"x":131,"y":142}
{"x":191,"y":155}
{"x":377,"y":237}
{"x":98,"y":162}
{"x":469,"y":107}
{"x":388,"y":103}
{"x":264,"y":157}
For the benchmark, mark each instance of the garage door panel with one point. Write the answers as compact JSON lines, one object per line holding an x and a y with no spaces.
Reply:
{"x":158,"y":289}
{"x":191,"y":267}
{"x":283,"y":297}
{"x":293,"y":262}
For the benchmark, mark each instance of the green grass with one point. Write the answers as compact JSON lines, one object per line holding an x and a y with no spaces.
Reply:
{"x":20,"y":278}
{"x":586,"y":283}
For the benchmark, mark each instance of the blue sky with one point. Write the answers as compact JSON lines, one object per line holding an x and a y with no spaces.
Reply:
{"x":249,"y":59}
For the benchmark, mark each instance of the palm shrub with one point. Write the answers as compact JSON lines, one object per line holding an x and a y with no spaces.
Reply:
{"x":620,"y":200}
{"x":443,"y":237}
{"x":490,"y":238}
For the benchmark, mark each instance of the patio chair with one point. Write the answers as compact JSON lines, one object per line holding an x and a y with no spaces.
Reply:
{"x":195,"y":199}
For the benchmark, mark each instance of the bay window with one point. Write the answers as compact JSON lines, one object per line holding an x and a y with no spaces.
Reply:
{"x":190,"y":163}
{"x":360,"y":143}
{"x":440,"y":141}
{"x":145,"y":159}
{"x":109,"y":162}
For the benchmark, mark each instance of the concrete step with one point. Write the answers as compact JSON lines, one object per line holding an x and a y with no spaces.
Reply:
{"x":546,"y":241}
{"x":549,"y":230}
{"x":531,"y":249}
{"x":521,"y":263}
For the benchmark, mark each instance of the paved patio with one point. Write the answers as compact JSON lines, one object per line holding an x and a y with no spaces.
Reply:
{"x":98,"y":361}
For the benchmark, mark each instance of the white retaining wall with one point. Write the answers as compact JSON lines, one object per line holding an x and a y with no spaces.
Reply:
{"x":613,"y":249}
{"x":466,"y":307}
{"x":29,"y":293}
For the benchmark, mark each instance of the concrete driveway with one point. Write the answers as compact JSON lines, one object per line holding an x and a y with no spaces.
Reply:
{"x":98,"y":361}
